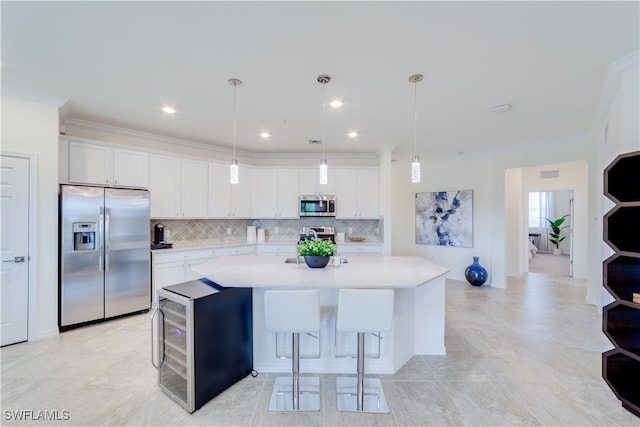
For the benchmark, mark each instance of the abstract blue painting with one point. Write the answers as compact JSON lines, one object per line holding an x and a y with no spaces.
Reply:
{"x":445,"y":218}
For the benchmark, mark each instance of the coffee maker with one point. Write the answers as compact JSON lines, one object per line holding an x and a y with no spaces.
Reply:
{"x":158,"y":238}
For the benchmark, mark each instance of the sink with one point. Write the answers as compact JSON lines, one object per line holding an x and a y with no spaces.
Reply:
{"x":291,"y":261}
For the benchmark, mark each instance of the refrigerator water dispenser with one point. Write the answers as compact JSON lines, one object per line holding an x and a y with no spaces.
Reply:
{"x":84,"y":236}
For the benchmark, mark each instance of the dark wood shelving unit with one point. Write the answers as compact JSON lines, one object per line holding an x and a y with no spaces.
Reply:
{"x":621,"y":277}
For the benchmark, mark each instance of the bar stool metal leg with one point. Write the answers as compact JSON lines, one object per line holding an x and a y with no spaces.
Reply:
{"x":295,"y":393}
{"x":295,"y":354}
{"x":360,"y":394}
{"x":360,"y":379}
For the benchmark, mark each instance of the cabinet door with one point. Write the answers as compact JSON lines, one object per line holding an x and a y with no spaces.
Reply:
{"x":194,"y":183}
{"x":346,"y":194}
{"x":368,"y":194}
{"x":310,"y":182}
{"x":287,"y":193}
{"x":241,"y":200}
{"x":220,"y":191}
{"x":264,"y":193}
{"x":163,"y":186}
{"x":129,"y":168}
{"x":190,"y":274}
{"x":167,"y":274}
{"x":89,"y":164}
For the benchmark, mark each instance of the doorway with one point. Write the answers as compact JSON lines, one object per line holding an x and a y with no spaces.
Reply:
{"x":550,"y":232}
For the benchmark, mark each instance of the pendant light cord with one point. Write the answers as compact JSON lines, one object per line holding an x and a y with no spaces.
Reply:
{"x":323,"y":118}
{"x":415,"y":117}
{"x":234,"y":120}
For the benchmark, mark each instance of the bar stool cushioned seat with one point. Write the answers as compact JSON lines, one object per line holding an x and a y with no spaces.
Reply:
{"x":294,"y":312}
{"x":363,"y":311}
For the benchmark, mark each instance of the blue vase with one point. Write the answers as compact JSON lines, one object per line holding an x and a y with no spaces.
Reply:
{"x":475,"y":273}
{"x":316,"y":261}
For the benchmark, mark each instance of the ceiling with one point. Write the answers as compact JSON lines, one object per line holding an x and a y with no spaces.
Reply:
{"x":119,"y":63}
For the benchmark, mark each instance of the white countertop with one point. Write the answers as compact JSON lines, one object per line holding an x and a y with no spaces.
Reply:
{"x":360,"y":272}
{"x":210,"y":244}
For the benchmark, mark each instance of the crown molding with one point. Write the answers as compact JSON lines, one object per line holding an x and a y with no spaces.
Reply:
{"x":100,"y":127}
{"x":613,"y":77}
{"x":54,"y":101}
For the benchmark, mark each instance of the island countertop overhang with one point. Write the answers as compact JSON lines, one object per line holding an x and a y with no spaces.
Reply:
{"x":360,"y":272}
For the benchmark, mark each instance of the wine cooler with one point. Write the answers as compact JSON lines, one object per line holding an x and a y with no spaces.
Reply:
{"x":201,"y":340}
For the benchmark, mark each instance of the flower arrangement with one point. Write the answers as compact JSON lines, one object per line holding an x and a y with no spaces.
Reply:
{"x":316,"y":247}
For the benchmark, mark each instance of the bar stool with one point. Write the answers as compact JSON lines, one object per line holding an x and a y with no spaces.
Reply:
{"x":362,"y":311}
{"x":294,"y":312}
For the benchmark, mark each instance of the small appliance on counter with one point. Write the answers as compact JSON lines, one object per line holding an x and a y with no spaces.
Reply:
{"x":158,"y":238}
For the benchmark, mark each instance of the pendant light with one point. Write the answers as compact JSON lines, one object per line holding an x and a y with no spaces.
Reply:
{"x":324,"y":168}
{"x":415,"y":161}
{"x":233,"y":167}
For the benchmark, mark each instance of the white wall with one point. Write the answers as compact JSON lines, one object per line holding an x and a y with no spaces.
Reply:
{"x":484,"y":173}
{"x":621,"y":119}
{"x":515,"y":214}
{"x":31,"y":127}
{"x":462,"y":172}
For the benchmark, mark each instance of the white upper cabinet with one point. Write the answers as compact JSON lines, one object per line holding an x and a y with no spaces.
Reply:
{"x":130,"y":168}
{"x":357,"y":193}
{"x":275,"y":193}
{"x":310,"y":182}
{"x":179,"y":187}
{"x":164,"y":180}
{"x":108,"y":166}
{"x":229,"y":200}
{"x":194,"y":191}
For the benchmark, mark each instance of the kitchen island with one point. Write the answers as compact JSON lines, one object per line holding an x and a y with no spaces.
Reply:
{"x":419,"y":308}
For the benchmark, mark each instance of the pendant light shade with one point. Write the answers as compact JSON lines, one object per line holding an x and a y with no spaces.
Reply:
{"x":415,"y":169}
{"x":324,"y":172}
{"x":415,"y":161}
{"x":324,"y":167}
{"x":233,"y":167}
{"x":233,"y":171}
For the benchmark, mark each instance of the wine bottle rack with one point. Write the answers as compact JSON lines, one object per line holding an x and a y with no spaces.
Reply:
{"x":621,"y":277}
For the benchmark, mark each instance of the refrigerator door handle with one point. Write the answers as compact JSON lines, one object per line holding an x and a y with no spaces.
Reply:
{"x":161,"y":361}
{"x":107,"y":238}
{"x":101,"y":237}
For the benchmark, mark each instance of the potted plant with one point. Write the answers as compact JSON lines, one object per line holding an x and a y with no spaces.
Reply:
{"x":555,"y":236}
{"x":316,"y":252}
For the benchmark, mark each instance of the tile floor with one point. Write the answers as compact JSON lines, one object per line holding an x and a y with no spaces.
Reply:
{"x":528,"y":355}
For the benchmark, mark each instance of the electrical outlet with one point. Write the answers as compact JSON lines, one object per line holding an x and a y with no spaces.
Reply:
{"x":167,"y":233}
{"x":350,"y":230}
{"x":276,"y":230}
{"x":229,"y":231}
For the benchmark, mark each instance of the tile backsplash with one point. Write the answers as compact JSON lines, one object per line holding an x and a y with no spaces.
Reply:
{"x":193,"y":230}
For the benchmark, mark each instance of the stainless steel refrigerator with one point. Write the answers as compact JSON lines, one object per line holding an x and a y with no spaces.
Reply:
{"x":104,"y":253}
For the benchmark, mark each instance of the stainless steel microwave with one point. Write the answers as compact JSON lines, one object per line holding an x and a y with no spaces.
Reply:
{"x":313,"y":205}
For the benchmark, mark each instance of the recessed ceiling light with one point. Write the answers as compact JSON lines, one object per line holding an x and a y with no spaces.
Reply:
{"x":169,"y":110}
{"x":265,"y":135}
{"x":501,"y":108}
{"x":336,"y":103}
{"x":352,"y":134}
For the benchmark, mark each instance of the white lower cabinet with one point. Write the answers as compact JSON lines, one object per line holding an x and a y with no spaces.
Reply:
{"x":284,"y":249}
{"x":169,"y":268}
{"x":359,"y":250}
{"x":235,"y":250}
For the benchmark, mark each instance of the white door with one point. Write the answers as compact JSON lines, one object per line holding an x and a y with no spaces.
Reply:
{"x":14,"y":245}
